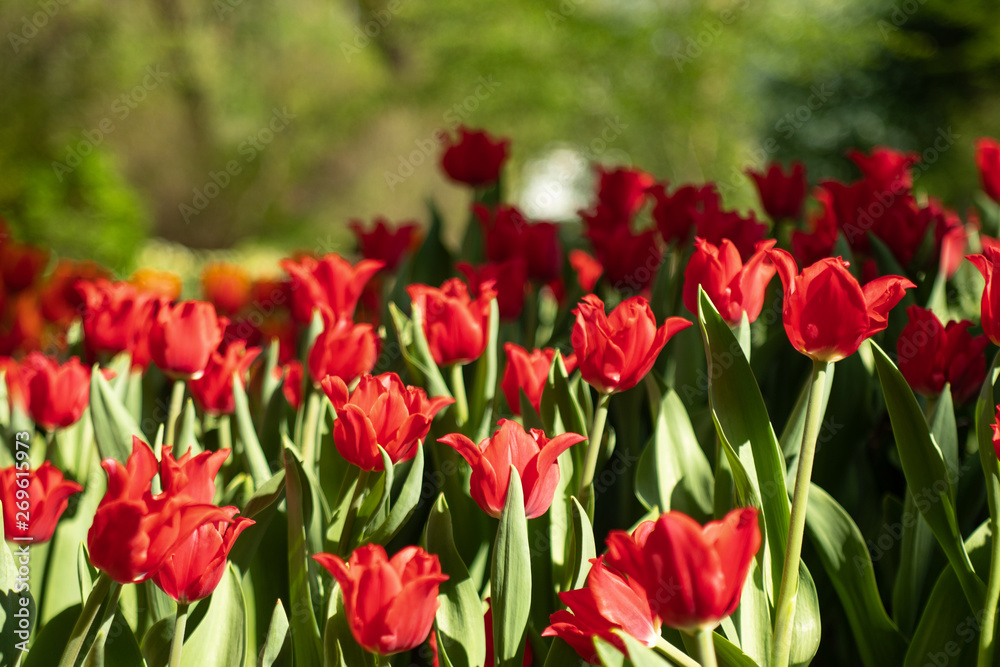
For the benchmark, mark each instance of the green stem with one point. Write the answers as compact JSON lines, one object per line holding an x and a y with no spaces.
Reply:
{"x":461,"y":400}
{"x":706,"y":647}
{"x":309,"y":429}
{"x":176,"y":403}
{"x":226,"y":433}
{"x":593,"y":448}
{"x":785,"y":615}
{"x":352,"y":511}
{"x":101,"y":590}
{"x":675,"y":654}
{"x":177,"y":643}
{"x":530,"y":319}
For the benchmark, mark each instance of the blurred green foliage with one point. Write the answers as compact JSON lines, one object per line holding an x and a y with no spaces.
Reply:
{"x":129,"y":120}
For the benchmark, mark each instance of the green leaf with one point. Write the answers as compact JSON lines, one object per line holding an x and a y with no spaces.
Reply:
{"x":510,"y":579}
{"x":558,"y":395}
{"x":265,"y":495}
{"x":927,"y":475}
{"x":459,"y":619}
{"x":219,"y":638}
{"x":741,"y":419}
{"x":374,"y":509}
{"x":583,"y":545}
{"x":436,"y":385}
{"x":484,"y":383}
{"x":844,"y":553}
{"x":405,"y":504}
{"x":561,"y":654}
{"x":730,"y":655}
{"x":791,"y":436}
{"x":187,"y":441}
{"x":120,"y":648}
{"x":673,"y":471}
{"x":608,"y":654}
{"x":432,"y":262}
{"x":255,"y":459}
{"x":276,"y":644}
{"x":113,"y":425}
{"x":307,"y":644}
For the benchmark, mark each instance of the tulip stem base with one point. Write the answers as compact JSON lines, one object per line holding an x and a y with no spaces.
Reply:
{"x":461,"y":399}
{"x":706,"y":647}
{"x":352,"y":511}
{"x":785,"y":614}
{"x":675,"y":655}
{"x":176,"y":404}
{"x":98,"y":594}
{"x":177,"y":643}
{"x":593,"y":448}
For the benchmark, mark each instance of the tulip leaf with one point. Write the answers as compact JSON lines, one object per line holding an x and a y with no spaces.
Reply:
{"x":741,"y":419}
{"x":561,"y":654}
{"x":639,"y":655}
{"x":791,"y":436}
{"x":529,"y":415}
{"x":558,"y":395}
{"x":729,"y":654}
{"x":256,"y":462}
{"x":459,"y":619}
{"x":927,"y":475}
{"x":115,"y":645}
{"x":583,"y":545}
{"x":219,"y":637}
{"x":276,"y":647}
{"x":919,"y":550}
{"x":948,"y":631}
{"x":187,"y":440}
{"x":16,"y":601}
{"x":307,"y":644}
{"x":265,"y":495}
{"x":844,"y":553}
{"x":405,"y":504}
{"x":510,"y":579}
{"x":608,"y":654}
{"x":436,"y":385}
{"x":484,"y":383}
{"x":113,"y":425}
{"x":673,"y":471}
{"x":375,"y":508}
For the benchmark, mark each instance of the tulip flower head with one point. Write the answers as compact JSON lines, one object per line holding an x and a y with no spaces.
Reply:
{"x":781,"y":195}
{"x":827,"y":314}
{"x":988,"y":263}
{"x":330,"y":282}
{"x":475,"y":158}
{"x":455,"y":324}
{"x":614,"y":352}
{"x":533,"y":455}
{"x":988,"y":162}
{"x":608,"y":602}
{"x":48,"y":494}
{"x":344,"y":349}
{"x":734,"y":287}
{"x":381,"y":411}
{"x":931,"y":354}
{"x":528,"y":372}
{"x":389,"y":603}
{"x":213,"y":391}
{"x":692,"y":575}
{"x":55,"y":394}
{"x":183,"y":337}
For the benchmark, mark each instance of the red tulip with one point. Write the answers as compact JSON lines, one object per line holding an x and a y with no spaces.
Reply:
{"x":292,"y":387}
{"x":55,"y":395}
{"x":381,"y":411}
{"x":988,"y":162}
{"x":343,"y":349}
{"x":623,"y":190}
{"x":213,"y":391}
{"x":608,"y":602}
{"x":21,"y":264}
{"x":931,"y":355}
{"x":43,"y":492}
{"x":183,"y":337}
{"x":782,"y":196}
{"x":61,"y":301}
{"x":113,"y":312}
{"x":389,"y":603}
{"x":676,"y":214}
{"x":142,"y":353}
{"x":507,"y":234}
{"x":734,"y":287}
{"x":588,"y":270}
{"x":509,"y":279}
{"x":455,"y":325}
{"x":713,"y":224}
{"x":195,"y":567}
{"x":22,"y":325}
{"x":693,"y":575}
{"x":475,"y":158}
{"x":996,"y":432}
{"x":528,"y":372}
{"x":615,"y":351}
{"x":226,"y":286}
{"x":827,"y":313}
{"x":530,"y":452}
{"x":331,"y":283}
{"x":386,"y":244}
{"x":630,"y":260}
{"x":886,"y":169}
{"x":134,"y":531}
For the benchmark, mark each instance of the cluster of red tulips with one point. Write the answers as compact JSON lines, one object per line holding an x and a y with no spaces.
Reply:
{"x":560,"y":468}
